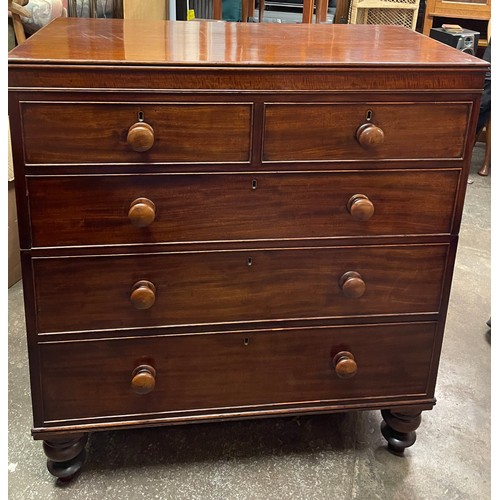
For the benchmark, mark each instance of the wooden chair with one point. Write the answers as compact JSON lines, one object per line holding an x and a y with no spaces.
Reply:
{"x":16,"y":8}
{"x":485,"y":169}
{"x":248,"y":8}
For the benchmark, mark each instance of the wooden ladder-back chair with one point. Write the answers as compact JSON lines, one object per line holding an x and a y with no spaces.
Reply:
{"x":17,"y":9}
{"x":485,"y":169}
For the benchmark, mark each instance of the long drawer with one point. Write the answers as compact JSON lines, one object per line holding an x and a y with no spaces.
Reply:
{"x":58,"y":132}
{"x":145,"y":290}
{"x":207,"y":371}
{"x":419,"y":130}
{"x":113,"y":209}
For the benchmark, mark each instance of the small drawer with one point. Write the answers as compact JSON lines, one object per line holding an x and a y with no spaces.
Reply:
{"x":59,"y":132}
{"x":152,"y":290}
{"x":99,"y":210}
{"x":326,"y":366}
{"x":355,"y":131}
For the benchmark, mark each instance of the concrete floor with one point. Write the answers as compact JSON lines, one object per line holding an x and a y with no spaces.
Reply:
{"x":341,"y":456}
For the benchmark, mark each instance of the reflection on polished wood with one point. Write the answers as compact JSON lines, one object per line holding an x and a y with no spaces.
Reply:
{"x":104,"y":41}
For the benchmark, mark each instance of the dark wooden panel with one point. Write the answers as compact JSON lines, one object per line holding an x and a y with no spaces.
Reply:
{"x":85,"y":293}
{"x":60,"y":132}
{"x":91,"y":379}
{"x":295,"y":132}
{"x":93,"y":210}
{"x":236,"y":79}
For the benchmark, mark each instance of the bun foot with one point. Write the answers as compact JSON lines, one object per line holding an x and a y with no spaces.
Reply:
{"x":397,"y":441}
{"x":66,"y":456}
{"x":66,"y":471}
{"x":398,"y":428}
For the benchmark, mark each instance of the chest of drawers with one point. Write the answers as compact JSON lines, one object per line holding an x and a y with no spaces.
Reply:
{"x":223,"y":220}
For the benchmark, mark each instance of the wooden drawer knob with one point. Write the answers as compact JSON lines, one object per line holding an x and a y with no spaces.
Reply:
{"x":142,"y":212}
{"x":369,"y":135}
{"x":141,"y":137}
{"x":360,"y":207}
{"x":352,"y":285}
{"x":345,"y":365}
{"x":143,"y":295}
{"x":143,"y":379}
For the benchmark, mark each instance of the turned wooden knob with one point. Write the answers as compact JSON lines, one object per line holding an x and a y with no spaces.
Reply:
{"x":143,"y":295}
{"x":141,"y":137}
{"x":143,"y":379}
{"x":142,"y":212}
{"x":360,"y":207}
{"x":369,"y":135}
{"x":352,"y":285}
{"x":345,"y":365}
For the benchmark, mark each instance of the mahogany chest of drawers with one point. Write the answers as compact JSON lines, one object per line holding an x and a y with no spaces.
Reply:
{"x":223,"y":220}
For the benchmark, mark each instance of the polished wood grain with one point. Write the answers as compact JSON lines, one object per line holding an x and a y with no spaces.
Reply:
{"x":235,"y":369}
{"x":280,"y":206}
{"x":410,"y":130}
{"x":99,"y":132}
{"x":275,"y":78}
{"x":105,"y":41}
{"x":212,"y":287}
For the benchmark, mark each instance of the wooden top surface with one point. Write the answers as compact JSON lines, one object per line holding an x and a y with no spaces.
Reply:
{"x":207,"y":43}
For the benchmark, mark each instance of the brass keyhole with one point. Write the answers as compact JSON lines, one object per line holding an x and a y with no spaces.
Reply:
{"x":254,"y":184}
{"x":140,"y":116}
{"x":369,"y":115}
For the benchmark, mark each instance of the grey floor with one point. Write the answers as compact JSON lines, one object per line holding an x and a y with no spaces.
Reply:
{"x":340,"y":456}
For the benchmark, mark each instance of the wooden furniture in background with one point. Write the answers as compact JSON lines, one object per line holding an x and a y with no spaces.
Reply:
{"x":460,"y":12}
{"x":132,"y":9}
{"x":17,"y":9}
{"x":227,"y":227}
{"x":308,"y":9}
{"x":342,"y":12}
{"x":386,"y":12}
{"x":485,"y":168}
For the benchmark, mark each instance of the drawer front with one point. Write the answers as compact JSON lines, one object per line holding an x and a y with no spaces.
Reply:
{"x":97,"y":210}
{"x":86,"y":293}
{"x":99,"y":133}
{"x":299,"y":132}
{"x":93,"y":379}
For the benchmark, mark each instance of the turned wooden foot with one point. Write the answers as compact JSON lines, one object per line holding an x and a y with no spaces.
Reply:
{"x":398,"y":427}
{"x":65,"y":455}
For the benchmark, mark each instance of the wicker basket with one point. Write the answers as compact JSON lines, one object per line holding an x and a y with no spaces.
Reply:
{"x":397,"y":12}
